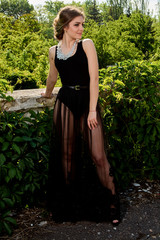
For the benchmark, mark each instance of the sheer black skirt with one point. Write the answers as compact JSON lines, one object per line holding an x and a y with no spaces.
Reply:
{"x":76,"y":154}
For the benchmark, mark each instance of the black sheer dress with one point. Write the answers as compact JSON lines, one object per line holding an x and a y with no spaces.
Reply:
{"x":70,"y":129}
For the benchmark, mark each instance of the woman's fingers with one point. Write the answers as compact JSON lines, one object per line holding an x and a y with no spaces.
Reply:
{"x":46,"y":96}
{"x":92,"y":121}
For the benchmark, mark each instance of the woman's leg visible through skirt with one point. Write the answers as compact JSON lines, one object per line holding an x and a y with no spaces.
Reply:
{"x":64,"y":169}
{"x":65,"y":127}
{"x":95,"y":140}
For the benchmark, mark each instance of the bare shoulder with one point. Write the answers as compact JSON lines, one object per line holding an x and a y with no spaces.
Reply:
{"x":88,"y":45}
{"x":52,"y":52}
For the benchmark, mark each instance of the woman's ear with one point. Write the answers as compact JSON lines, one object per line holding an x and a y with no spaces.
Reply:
{"x":66,"y":28}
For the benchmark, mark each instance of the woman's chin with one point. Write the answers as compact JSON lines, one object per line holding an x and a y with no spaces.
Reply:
{"x":79,"y":36}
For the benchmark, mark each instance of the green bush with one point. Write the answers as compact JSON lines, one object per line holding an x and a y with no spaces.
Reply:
{"x":21,"y":79}
{"x":130,"y":99}
{"x":126,"y":38}
{"x":24,"y":144}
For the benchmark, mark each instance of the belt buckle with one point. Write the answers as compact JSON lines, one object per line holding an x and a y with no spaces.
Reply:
{"x":77,"y":87}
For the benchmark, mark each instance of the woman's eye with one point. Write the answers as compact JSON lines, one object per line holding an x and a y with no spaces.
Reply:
{"x":77,"y":24}
{"x":83,"y":24}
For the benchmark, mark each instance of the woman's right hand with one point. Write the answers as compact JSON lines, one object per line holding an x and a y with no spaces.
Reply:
{"x":92,"y":120}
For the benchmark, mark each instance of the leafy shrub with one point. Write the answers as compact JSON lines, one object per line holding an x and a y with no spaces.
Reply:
{"x":126,"y":38}
{"x":24,"y":144}
{"x":24,"y":52}
{"x":4,"y":86}
{"x":21,"y":79}
{"x":5,"y":219}
{"x":130,"y":98}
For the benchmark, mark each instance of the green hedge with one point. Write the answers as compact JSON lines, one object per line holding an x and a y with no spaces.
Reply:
{"x":131,"y":102}
{"x":24,"y":144}
{"x":21,"y":80}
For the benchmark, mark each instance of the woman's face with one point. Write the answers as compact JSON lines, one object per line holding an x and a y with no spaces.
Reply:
{"x":75,"y":28}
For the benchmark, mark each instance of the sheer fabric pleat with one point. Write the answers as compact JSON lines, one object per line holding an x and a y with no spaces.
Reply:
{"x":66,"y":164}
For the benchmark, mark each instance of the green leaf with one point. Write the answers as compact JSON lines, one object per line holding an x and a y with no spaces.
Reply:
{"x":11,"y":220}
{"x":19,"y":174}
{"x":7,"y":228}
{"x":44,"y":155}
{"x":7,"y":179}
{"x":27,"y":139}
{"x":9,"y":137}
{"x":16,"y":148}
{"x":8,"y":201}
{"x":12,"y":172}
{"x":1,"y":140}
{"x":33,"y":144}
{"x":4,"y":192}
{"x":2,"y":159}
{"x":27,"y":119}
{"x":18,"y":139}
{"x":5,"y":146}
{"x":4,"y":126}
{"x":154,"y":132}
{"x":9,"y":98}
{"x":2,"y":205}
{"x":6,"y":214}
{"x":10,"y":126}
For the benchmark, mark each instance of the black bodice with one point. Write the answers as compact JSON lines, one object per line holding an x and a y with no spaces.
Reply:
{"x":74,"y":70}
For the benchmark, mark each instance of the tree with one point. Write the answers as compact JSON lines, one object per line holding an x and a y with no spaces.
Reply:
{"x":141,"y":5}
{"x":53,"y":7}
{"x":24,"y":51}
{"x":104,"y":9}
{"x":27,"y":23}
{"x":158,"y":5}
{"x":92,"y":11}
{"x":126,"y":38}
{"x":142,"y":32}
{"x":117,"y":7}
{"x":15,"y":8}
{"x":156,"y":25}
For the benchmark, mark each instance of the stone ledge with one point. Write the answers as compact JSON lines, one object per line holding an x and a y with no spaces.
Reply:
{"x":28,"y":99}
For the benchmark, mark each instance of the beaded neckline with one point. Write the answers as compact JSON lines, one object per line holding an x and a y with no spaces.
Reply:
{"x":62,"y":56}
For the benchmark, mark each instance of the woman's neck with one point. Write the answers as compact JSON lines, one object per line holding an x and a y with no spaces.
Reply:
{"x":67,"y":42}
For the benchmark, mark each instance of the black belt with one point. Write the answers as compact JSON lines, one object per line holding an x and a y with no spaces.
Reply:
{"x":76,"y":87}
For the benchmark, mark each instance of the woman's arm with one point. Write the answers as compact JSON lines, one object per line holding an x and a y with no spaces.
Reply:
{"x":52,"y":76}
{"x":90,"y":51}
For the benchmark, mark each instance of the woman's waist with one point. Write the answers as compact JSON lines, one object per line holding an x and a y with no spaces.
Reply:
{"x":74,"y":92}
{"x":74,"y":81}
{"x":76,"y":87}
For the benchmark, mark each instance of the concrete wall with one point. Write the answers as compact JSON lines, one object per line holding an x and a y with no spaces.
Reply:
{"x":25,"y":100}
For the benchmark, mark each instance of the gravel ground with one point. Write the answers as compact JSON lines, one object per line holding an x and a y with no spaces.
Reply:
{"x":140,"y":222}
{"x":140,"y":212}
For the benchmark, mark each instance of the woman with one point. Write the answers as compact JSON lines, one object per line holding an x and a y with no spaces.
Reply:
{"x":76,"y":109}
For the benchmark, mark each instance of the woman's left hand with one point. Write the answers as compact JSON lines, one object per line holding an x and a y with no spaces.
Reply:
{"x":92,"y":120}
{"x":46,"y":96}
